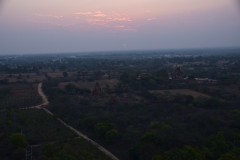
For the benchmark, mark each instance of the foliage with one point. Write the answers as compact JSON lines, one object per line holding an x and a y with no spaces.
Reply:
{"x":111,"y":136}
{"x":190,"y":106}
{"x":210,"y":103}
{"x":233,"y":154}
{"x":217,"y":144}
{"x":18,"y":140}
{"x":72,"y":89}
{"x":185,"y":153}
{"x":103,"y":128}
{"x":72,"y":150}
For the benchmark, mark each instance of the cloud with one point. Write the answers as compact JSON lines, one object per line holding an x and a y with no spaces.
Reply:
{"x":100,"y":15}
{"x":124,"y":19}
{"x":46,"y":15}
{"x":95,"y":19}
{"x":83,"y":13}
{"x":119,"y":26}
{"x":150,"y":19}
{"x":109,"y":17}
{"x":133,"y":30}
{"x":100,"y":22}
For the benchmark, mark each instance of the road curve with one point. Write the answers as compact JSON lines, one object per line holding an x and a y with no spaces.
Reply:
{"x":45,"y":102}
{"x":44,"y":98}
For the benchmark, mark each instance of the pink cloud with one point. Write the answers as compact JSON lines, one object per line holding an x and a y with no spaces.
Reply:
{"x":97,"y":19}
{"x":100,"y":15}
{"x":119,"y":26}
{"x":100,"y":22}
{"x":120,"y":19}
{"x":83,"y":13}
{"x":150,"y":19}
{"x":46,"y":15}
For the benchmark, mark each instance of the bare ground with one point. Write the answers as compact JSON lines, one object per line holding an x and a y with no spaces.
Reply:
{"x":90,"y":85}
{"x":181,"y":91}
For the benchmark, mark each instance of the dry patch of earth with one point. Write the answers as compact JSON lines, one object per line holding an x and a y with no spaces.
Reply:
{"x":90,"y":85}
{"x":181,"y":91}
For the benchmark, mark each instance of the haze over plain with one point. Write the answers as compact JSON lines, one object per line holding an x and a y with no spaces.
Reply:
{"x":42,"y":26}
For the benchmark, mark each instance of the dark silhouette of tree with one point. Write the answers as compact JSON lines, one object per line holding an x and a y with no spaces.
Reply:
{"x":65,"y":74}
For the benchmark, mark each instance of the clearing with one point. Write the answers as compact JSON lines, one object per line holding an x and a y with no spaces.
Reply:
{"x":181,"y":91}
{"x":90,"y":85}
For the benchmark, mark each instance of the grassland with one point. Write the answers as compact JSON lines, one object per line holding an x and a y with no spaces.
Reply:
{"x":90,"y":85}
{"x":19,"y":95}
{"x":181,"y":91}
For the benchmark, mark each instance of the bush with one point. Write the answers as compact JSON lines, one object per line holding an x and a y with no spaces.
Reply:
{"x":111,"y":136}
{"x":102,"y":128}
{"x":18,"y":140}
{"x":190,"y":106}
{"x":210,"y":103}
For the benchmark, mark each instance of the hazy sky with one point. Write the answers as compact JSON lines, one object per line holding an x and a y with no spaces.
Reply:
{"x":43,"y":26}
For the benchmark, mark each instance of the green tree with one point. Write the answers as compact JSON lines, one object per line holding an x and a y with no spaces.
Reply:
{"x":102,"y":128}
{"x":190,"y":105}
{"x":155,"y":125}
{"x":234,"y":154}
{"x":185,"y":153}
{"x":165,"y":126}
{"x":47,"y":149}
{"x":111,"y":136}
{"x":18,"y":140}
{"x":217,"y":144}
{"x":157,"y":157}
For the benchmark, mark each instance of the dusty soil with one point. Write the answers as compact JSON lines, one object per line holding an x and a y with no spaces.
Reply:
{"x":90,"y":85}
{"x":14,"y":77}
{"x":60,"y":74}
{"x":181,"y":91}
{"x":22,"y":90}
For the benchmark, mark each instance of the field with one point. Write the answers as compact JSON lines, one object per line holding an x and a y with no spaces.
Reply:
{"x":181,"y":91}
{"x":22,"y":90}
{"x":33,"y":77}
{"x":19,"y":95}
{"x":90,"y":85}
{"x":60,"y":74}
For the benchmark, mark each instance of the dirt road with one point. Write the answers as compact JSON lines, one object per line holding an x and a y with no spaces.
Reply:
{"x":45,"y":102}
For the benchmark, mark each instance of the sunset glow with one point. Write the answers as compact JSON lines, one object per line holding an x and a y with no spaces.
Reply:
{"x":165,"y":23}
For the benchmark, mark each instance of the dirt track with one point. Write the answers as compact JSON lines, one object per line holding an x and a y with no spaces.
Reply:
{"x":45,"y":102}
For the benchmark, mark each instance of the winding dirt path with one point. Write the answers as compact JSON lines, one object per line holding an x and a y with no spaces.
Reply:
{"x":44,"y":98}
{"x":45,"y":102}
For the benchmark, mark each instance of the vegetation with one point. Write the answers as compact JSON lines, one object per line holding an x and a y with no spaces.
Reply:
{"x":146,"y":106}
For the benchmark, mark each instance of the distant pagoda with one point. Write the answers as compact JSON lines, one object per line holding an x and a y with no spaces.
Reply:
{"x":97,"y":89}
{"x":177,"y":74}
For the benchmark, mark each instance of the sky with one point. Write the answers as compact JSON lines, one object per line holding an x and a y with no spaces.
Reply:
{"x":43,"y":26}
